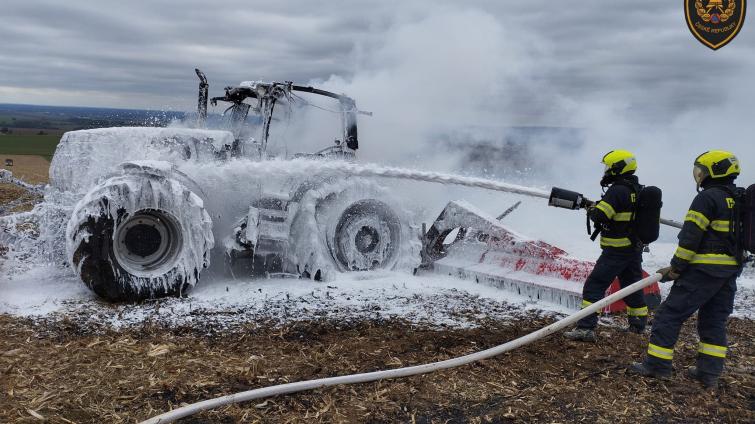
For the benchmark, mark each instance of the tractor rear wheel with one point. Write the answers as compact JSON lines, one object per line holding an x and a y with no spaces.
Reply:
{"x":367,"y":236}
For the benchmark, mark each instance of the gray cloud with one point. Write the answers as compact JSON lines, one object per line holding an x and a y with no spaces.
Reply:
{"x":142,"y":53}
{"x":628,"y":73}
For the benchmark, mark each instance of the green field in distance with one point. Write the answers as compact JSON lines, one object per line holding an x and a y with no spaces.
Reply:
{"x":41,"y":145}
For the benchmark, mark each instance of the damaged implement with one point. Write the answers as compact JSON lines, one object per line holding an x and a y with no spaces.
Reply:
{"x":467,"y":243}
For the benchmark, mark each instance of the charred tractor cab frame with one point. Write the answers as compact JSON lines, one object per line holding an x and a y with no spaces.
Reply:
{"x":267,"y":96}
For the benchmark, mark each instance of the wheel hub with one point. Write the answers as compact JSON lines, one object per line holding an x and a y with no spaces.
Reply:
{"x":143,"y":240}
{"x":147,"y":242}
{"x":367,"y":239}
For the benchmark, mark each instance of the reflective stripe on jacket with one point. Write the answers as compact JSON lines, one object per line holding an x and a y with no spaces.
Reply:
{"x":614,"y":213}
{"x":706,"y":240}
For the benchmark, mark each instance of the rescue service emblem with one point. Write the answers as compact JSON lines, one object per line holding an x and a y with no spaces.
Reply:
{"x":715,"y":22}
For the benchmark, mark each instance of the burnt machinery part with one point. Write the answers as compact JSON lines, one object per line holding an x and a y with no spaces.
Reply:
{"x":454,"y":217}
{"x":202,"y":99}
{"x":238,"y":257}
{"x":124,"y":248}
{"x":236,"y":95}
{"x":367,"y":236}
{"x":506,"y":213}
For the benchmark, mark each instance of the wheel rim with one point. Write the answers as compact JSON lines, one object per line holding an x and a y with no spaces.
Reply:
{"x":147,"y":242}
{"x":367,"y":236}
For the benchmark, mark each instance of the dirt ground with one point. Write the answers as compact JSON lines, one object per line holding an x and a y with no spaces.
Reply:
{"x":16,"y":199}
{"x":30,"y":168}
{"x":62,"y":372}
{"x":10,"y":193}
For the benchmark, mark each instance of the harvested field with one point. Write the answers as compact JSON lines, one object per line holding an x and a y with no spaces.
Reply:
{"x":30,"y":168}
{"x":66,"y":372}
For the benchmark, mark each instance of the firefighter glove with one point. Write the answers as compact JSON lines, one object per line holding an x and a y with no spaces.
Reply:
{"x":668,"y":274}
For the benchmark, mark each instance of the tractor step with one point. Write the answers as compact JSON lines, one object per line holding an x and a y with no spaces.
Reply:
{"x":273,"y":227}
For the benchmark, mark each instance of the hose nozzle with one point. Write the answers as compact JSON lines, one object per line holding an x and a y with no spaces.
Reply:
{"x":567,"y":199}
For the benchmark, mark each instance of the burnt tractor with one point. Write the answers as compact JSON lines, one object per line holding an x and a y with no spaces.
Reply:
{"x":156,"y":206}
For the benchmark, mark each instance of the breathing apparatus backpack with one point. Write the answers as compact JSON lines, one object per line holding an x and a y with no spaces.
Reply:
{"x":646,"y":215}
{"x":646,"y":224}
{"x":745,"y":210}
{"x":742,"y":239}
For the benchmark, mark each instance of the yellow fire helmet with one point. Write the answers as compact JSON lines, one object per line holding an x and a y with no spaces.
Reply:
{"x":619,"y":162}
{"x":715,"y":164}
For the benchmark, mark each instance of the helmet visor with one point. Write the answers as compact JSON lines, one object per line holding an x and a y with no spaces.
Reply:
{"x":699,"y":173}
{"x":615,"y":168}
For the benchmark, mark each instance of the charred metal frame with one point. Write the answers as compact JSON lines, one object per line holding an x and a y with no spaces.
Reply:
{"x":267,"y":96}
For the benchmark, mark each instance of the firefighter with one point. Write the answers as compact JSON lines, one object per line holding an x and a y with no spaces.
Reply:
{"x":704,"y":268}
{"x":622,"y":252}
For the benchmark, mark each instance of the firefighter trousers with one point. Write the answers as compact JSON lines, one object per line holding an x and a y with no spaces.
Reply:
{"x":713,"y":298}
{"x":627,"y":265}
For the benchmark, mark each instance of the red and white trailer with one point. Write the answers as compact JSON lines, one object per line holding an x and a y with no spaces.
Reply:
{"x":469,"y":244}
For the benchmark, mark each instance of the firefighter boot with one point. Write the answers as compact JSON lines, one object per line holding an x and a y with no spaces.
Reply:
{"x":637,"y":323}
{"x":709,"y":381}
{"x":645,"y":370}
{"x":581,"y":334}
{"x":634,"y":328}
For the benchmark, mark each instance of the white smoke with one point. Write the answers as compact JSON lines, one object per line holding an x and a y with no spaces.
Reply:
{"x":448,"y":70}
{"x":460,"y":68}
{"x":666,"y":151}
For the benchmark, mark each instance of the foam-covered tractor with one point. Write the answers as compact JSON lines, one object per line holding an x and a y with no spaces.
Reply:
{"x":155,"y":206}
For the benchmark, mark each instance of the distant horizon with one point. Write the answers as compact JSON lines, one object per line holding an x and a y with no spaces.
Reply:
{"x":220,"y":114}
{"x":94,"y":107}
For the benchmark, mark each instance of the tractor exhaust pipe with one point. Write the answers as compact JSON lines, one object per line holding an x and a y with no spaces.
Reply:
{"x":202,"y":100}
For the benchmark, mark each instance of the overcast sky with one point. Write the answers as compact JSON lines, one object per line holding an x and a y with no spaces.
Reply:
{"x":142,"y":53}
{"x":627,"y":71}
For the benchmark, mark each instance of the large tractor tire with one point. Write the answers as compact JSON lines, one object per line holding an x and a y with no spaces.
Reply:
{"x":140,"y":235}
{"x":352,"y":226}
{"x":367,"y":235}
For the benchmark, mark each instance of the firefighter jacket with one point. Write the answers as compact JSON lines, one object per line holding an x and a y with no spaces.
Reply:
{"x":707,"y":241}
{"x":614,"y":212}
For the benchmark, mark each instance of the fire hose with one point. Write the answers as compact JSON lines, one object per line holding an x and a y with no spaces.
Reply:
{"x":573,"y":200}
{"x":300,"y":386}
{"x":576,"y":199}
